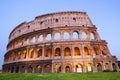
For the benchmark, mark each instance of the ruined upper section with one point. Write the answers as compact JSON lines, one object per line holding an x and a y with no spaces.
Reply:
{"x":51,"y":20}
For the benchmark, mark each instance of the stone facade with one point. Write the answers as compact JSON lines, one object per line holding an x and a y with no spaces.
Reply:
{"x":58,"y":42}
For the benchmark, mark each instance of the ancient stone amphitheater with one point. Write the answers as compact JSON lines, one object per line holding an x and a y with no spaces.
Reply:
{"x":58,"y":42}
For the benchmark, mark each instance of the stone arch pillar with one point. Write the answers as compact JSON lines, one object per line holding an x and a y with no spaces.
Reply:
{"x":61,"y":35}
{"x":71,"y":35}
{"x":88,"y":35}
{"x":97,"y":35}
{"x":34,"y":48}
{"x":52,"y":35}
{"x":62,"y":51}
{"x":43,"y":51}
{"x":37,"y":38}
{"x":82,"y":52}
{"x":27,"y":52}
{"x":72,"y":50}
{"x":44,"y":37}
{"x":84,"y":66}
{"x":80,"y":34}
{"x":91,"y":51}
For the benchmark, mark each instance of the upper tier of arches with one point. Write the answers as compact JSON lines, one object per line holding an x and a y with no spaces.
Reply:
{"x":60,"y":19}
{"x":53,"y":35}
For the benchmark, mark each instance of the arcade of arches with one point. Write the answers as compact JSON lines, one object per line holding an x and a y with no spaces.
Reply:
{"x":59,"y":52}
{"x":58,"y":42}
{"x":61,"y":67}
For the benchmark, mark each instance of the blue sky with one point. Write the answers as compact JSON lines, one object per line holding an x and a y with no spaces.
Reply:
{"x":105,"y":14}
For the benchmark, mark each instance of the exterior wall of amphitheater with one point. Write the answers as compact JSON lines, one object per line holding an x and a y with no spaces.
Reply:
{"x":58,"y":42}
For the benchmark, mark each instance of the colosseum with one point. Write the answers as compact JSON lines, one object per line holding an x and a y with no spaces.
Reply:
{"x":58,"y":42}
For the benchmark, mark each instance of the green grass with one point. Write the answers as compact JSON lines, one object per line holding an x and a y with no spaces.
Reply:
{"x":61,"y":76}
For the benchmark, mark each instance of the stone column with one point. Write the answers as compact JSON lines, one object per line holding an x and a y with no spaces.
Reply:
{"x":52,"y":36}
{"x":71,"y":36}
{"x":43,"y":51}
{"x":42,"y":67}
{"x":94,"y":67}
{"x":61,"y":36}
{"x":34,"y":48}
{"x":33,"y":69}
{"x":26,"y":69}
{"x":97,"y":35}
{"x":91,"y":51}
{"x":52,"y":51}
{"x":52,"y":66}
{"x":72,"y":51}
{"x":44,"y":37}
{"x":63,"y":67}
{"x":73,"y":67}
{"x":27,"y":55}
{"x":80,"y":34}
{"x":84,"y":67}
{"x":62,"y":52}
{"x":88,"y":35}
{"x":82,"y":51}
{"x":110,"y":66}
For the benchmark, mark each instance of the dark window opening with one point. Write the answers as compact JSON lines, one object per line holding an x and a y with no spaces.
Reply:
{"x":19,"y":31}
{"x":74,"y":19}
{"x":28,"y":27}
{"x":56,"y":20}
{"x":41,"y":22}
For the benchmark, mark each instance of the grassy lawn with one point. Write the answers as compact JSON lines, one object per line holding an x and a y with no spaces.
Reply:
{"x":61,"y":76}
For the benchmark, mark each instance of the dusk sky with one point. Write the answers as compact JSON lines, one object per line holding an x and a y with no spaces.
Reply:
{"x":105,"y":14}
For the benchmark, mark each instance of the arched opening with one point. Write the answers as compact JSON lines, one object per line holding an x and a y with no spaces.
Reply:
{"x":8,"y":69}
{"x":47,"y":68}
{"x":75,"y":35}
{"x":22,"y":69}
{"x":14,"y":56}
{"x":68,"y":68}
{"x":79,"y":68}
{"x":48,"y":52}
{"x":92,"y":36}
{"x":33,"y":40}
{"x":86,"y":51}
{"x":17,"y":69}
{"x":20,"y":42}
{"x":19,"y":55}
{"x":114,"y":67}
{"x":39,"y":68}
{"x":30,"y":69}
{"x":56,"y":20}
{"x":48,"y":37}
{"x":84,"y":35}
{"x":24,"y":54}
{"x":57,"y":52}
{"x":41,"y":38}
{"x":74,"y":19}
{"x":76,"y":51}
{"x":107,"y":66}
{"x":99,"y":67}
{"x":104,"y":50}
{"x":39,"y":53}
{"x":31,"y":53}
{"x":67,"y":51}
{"x":12,"y":70}
{"x":89,"y":67}
{"x":57,"y":36}
{"x":96,"y":50}
{"x":57,"y":68}
{"x":66,"y":35}
{"x":27,"y":42}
